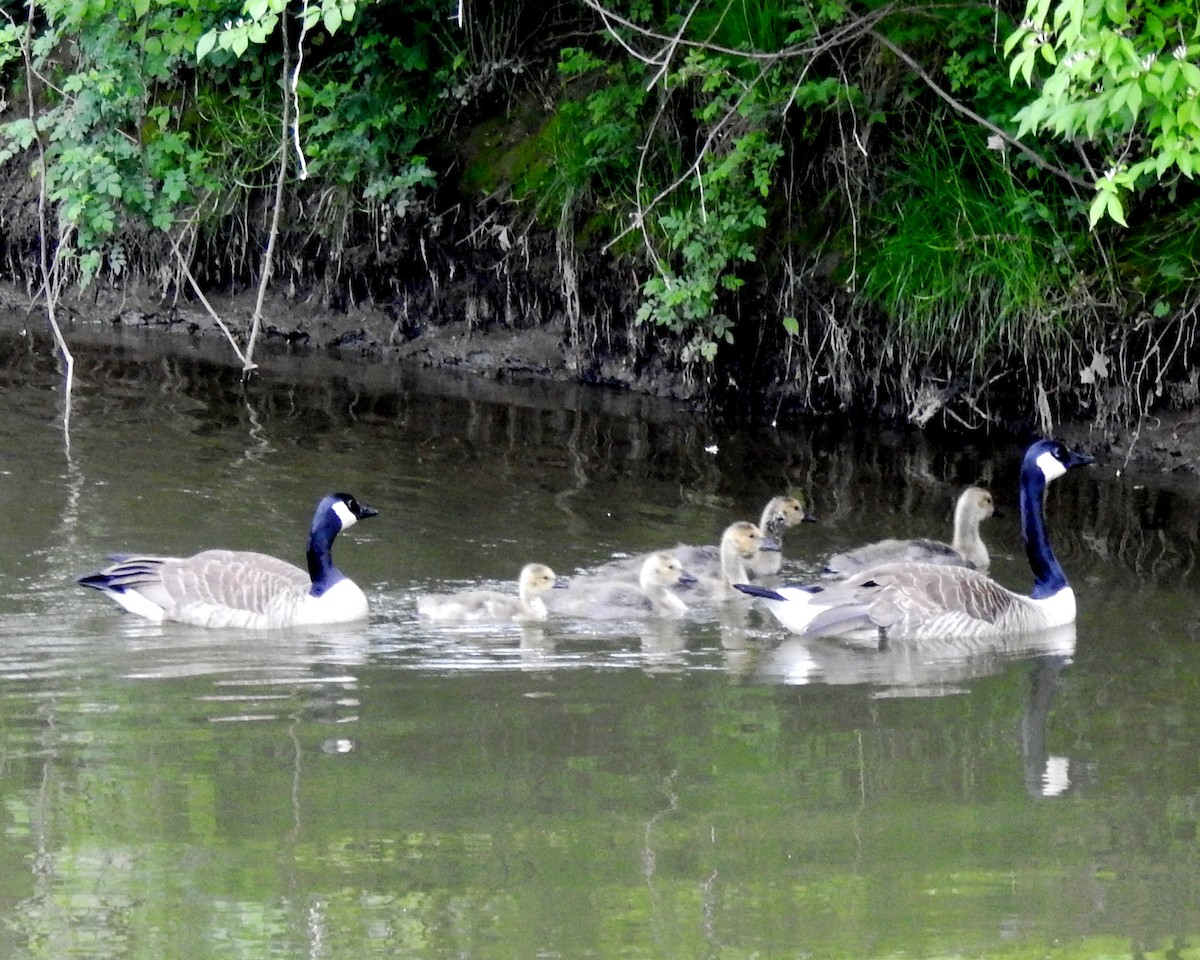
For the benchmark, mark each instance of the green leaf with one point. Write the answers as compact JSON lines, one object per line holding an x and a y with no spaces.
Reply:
{"x":332,"y":18}
{"x":1099,"y":205}
{"x":205,"y":44}
{"x":1018,"y":66}
{"x":792,"y":326}
{"x":1115,"y":209}
{"x":1134,"y":100}
{"x":1013,"y":39}
{"x":1170,"y":75}
{"x":1119,"y":98}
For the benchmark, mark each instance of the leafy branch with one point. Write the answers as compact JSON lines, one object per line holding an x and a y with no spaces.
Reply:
{"x":1123,"y":78}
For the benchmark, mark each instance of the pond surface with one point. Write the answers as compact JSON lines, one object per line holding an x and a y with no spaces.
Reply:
{"x":702,"y":788}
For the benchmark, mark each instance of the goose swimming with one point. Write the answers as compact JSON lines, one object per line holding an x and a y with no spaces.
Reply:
{"x":917,"y":601}
{"x":778,"y":516}
{"x":740,"y":544}
{"x":471,"y":606}
{"x":611,"y":599}
{"x":704,"y":561}
{"x":240,"y":588}
{"x":966,"y":549}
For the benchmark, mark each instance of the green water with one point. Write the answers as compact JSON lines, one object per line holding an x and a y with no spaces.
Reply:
{"x":707,"y":788}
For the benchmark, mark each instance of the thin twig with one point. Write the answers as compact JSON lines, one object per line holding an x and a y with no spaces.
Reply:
{"x":246,"y":364}
{"x":269,"y":254}
{"x":50,"y":288}
{"x":966,"y":111}
{"x":302,"y":173}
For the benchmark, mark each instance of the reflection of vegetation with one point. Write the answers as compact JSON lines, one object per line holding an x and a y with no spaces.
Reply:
{"x":471,"y":819}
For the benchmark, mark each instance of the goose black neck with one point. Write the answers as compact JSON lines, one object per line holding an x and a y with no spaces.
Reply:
{"x":321,"y":570}
{"x":1048,"y":576}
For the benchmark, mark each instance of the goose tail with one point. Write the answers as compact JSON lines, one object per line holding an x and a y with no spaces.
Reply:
{"x":765,"y":593}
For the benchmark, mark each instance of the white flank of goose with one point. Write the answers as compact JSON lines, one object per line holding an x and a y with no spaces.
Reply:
{"x":240,"y":588}
{"x":612,"y":599}
{"x":967,"y":548}
{"x":469,"y":606}
{"x":918,"y":601}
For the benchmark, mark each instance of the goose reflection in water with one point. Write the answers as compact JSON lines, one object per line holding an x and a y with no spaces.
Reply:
{"x":918,"y":668}
{"x":305,"y":672}
{"x":931,"y":669}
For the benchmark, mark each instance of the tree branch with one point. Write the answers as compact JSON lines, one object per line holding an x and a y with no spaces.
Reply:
{"x":966,"y":111}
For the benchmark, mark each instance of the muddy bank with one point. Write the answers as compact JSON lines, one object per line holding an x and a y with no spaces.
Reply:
{"x":370,"y":334}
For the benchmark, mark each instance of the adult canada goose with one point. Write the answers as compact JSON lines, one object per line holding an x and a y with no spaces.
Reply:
{"x":469,"y":606}
{"x":966,"y":549}
{"x":778,"y":516}
{"x":611,"y":599}
{"x":240,"y":588}
{"x":917,"y":601}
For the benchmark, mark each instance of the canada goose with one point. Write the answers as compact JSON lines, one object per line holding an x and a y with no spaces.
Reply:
{"x":917,"y":601}
{"x":239,"y":588}
{"x":704,"y":561}
{"x":740,"y":544}
{"x":967,"y":548}
{"x":611,"y":599}
{"x":476,"y":605}
{"x":778,"y":516}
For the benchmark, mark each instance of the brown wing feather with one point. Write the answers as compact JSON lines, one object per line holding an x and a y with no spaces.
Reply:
{"x":235,"y":579}
{"x":921,"y":593}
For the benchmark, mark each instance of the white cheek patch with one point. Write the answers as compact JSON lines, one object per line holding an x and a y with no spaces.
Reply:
{"x":345,"y":514}
{"x":1051,"y":467}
